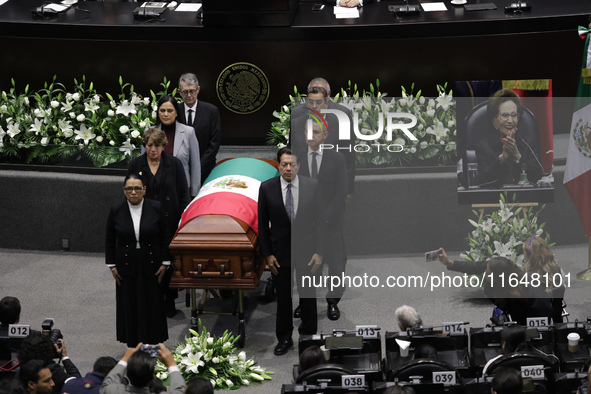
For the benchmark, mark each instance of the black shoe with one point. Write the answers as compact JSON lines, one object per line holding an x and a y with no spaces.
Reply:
{"x":333,"y":312}
{"x":282,"y":347}
{"x":297,"y":313}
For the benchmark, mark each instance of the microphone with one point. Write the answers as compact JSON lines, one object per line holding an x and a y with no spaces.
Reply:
{"x":533,"y":153}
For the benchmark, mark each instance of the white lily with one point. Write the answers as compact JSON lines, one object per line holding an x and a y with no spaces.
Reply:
{"x":85,"y":134}
{"x":193,"y":362}
{"x":126,"y":108}
{"x":13,"y":130}
{"x":36,"y":127}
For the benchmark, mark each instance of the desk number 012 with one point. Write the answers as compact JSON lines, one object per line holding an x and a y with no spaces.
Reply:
{"x":18,"y":330}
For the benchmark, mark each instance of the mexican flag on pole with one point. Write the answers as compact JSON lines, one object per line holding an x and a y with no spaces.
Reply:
{"x":577,"y":177}
{"x":231,"y":189}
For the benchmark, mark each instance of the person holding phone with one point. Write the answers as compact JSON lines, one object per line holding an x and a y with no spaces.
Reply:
{"x":139,"y":367}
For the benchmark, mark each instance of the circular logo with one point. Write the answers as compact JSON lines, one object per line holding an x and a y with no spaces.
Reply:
{"x":582,"y":137}
{"x":243,"y":88}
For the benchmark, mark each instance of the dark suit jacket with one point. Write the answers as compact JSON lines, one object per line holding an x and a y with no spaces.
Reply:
{"x":491,"y":173}
{"x":120,"y":248}
{"x":307,"y":230}
{"x":298,"y":142}
{"x":207,"y":125}
{"x":332,"y":181}
{"x":173,"y":189}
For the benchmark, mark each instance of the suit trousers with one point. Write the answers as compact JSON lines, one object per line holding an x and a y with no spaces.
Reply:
{"x":284,"y":320}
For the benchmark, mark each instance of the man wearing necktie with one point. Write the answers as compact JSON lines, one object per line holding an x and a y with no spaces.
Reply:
{"x":204,"y":118}
{"x":291,"y":239}
{"x":328,"y":167}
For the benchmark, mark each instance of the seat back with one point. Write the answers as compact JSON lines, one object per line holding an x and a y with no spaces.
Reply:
{"x":421,"y":371}
{"x":324,"y":374}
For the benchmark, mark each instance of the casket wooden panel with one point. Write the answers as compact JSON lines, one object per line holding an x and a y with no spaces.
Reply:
{"x":215,"y":252}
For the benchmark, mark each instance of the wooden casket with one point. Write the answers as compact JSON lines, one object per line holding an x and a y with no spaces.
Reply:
{"x":216,"y":244}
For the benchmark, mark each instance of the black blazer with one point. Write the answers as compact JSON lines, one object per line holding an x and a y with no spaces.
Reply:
{"x":297,"y":139}
{"x":173,"y":190}
{"x":120,"y":248}
{"x":332,"y":181}
{"x":307,"y":231}
{"x":207,"y":125}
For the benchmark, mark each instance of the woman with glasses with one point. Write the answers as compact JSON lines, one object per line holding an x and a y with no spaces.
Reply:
{"x":137,"y":254}
{"x":504,"y":154}
{"x":182,"y":141}
{"x":165,"y":180}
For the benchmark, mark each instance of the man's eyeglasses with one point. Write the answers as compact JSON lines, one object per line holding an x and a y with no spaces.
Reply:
{"x":507,"y":115}
{"x":131,"y":189}
{"x":317,"y":102}
{"x":189,"y":92}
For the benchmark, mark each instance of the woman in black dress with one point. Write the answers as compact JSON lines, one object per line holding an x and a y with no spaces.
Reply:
{"x":137,"y":254}
{"x":165,"y":180}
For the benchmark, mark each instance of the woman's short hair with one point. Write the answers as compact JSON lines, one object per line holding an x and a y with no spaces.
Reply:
{"x":166,"y":99}
{"x":407,"y":317}
{"x":132,"y":175}
{"x":499,"y":97}
{"x":156,"y":135}
{"x":311,"y":357}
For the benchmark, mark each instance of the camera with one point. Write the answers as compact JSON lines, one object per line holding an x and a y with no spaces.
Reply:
{"x":53,"y":333}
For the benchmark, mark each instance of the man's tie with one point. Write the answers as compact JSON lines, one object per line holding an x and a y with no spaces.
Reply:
{"x":289,"y":202}
{"x":190,"y":118}
{"x":314,"y":165}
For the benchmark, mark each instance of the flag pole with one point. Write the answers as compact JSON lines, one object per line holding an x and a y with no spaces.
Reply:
{"x":586,"y":275}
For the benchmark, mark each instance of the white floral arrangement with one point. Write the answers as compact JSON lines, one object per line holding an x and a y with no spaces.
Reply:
{"x":436,"y":130}
{"x":215,"y":359}
{"x":54,"y":125}
{"x":504,"y":232}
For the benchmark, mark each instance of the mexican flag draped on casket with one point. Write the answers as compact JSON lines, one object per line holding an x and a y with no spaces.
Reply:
{"x":231,"y":189}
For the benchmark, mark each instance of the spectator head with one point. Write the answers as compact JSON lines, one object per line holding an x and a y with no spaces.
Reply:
{"x":140,"y":369}
{"x":11,"y":386}
{"x":513,"y":338}
{"x":199,"y":386}
{"x":425,"y":351}
{"x":36,"y":346}
{"x":310,"y":357}
{"x":104,"y":365}
{"x":157,"y":387}
{"x":399,"y":390}
{"x":10,"y":310}
{"x":36,"y":377}
{"x":506,"y":381}
{"x":408,"y":318}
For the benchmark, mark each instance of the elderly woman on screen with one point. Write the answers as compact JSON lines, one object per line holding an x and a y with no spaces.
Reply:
{"x":182,"y":141}
{"x":505,"y":153}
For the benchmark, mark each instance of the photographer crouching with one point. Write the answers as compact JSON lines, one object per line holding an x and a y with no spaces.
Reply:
{"x":48,"y":346}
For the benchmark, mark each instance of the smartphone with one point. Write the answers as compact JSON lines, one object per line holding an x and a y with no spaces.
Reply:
{"x":317,"y":7}
{"x":433,"y":255}
{"x":152,"y":350}
{"x":9,"y":366}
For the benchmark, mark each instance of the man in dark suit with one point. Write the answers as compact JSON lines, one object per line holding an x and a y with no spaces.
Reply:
{"x":328,"y":167}
{"x":204,"y":118}
{"x":290,"y":214}
{"x":318,"y":98}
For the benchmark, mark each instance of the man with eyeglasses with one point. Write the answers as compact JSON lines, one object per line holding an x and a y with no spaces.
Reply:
{"x":318,"y":98}
{"x":204,"y":118}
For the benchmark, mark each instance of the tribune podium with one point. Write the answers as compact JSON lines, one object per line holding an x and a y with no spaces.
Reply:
{"x":227,"y":13}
